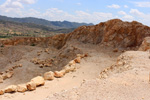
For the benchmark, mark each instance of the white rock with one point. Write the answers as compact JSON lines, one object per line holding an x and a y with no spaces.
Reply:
{"x":21,"y":88}
{"x":49,"y":75}
{"x":31,"y":86}
{"x":39,"y":80}
{"x":10,"y":89}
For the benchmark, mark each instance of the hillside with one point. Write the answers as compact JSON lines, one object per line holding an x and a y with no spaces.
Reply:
{"x":51,"y":24}
{"x":10,"y":29}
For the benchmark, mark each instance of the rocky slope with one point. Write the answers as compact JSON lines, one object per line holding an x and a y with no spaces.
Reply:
{"x":113,"y":32}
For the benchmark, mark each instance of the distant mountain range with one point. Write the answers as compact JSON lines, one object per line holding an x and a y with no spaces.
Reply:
{"x":30,"y":26}
{"x":38,"y":21}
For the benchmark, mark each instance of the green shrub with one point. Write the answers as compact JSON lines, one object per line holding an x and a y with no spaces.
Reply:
{"x":33,"y":44}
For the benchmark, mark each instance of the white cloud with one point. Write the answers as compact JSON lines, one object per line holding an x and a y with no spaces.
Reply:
{"x":125,"y":16}
{"x":27,"y":1}
{"x":128,"y":17}
{"x":140,"y":16}
{"x":79,"y":16}
{"x":11,"y":4}
{"x":125,"y":6}
{"x":122,"y":13}
{"x":142,"y":4}
{"x":79,"y":4}
{"x":114,"y":6}
{"x":14,"y":5}
{"x":136,"y":12}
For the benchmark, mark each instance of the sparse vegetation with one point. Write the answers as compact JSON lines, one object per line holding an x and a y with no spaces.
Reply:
{"x":2,"y":45}
{"x":33,"y":44}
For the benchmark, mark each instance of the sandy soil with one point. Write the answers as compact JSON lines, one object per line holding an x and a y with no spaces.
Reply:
{"x":132,"y":84}
{"x":89,"y":68}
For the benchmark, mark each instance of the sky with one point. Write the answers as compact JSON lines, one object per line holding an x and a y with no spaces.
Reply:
{"x":89,"y":11}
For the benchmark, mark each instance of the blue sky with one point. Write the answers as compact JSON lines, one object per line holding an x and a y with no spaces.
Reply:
{"x":89,"y":11}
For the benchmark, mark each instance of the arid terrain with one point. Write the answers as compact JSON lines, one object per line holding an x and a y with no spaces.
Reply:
{"x":107,"y":61}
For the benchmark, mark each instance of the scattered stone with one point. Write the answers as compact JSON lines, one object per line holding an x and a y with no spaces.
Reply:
{"x":49,"y":75}
{"x":46,"y":50}
{"x":58,"y":74}
{"x":72,"y":68}
{"x":38,"y":54}
{"x":2,"y":92}
{"x":72,"y":63}
{"x":63,"y":71}
{"x":115,"y":50}
{"x":1,"y":79}
{"x":31,"y":86}
{"x":86,"y":55}
{"x":77,"y":60}
{"x":20,"y":65}
{"x":41,"y":66}
{"x":80,"y":55}
{"x":10,"y":69}
{"x":67,"y":69}
{"x":21,"y":88}
{"x":39,"y":80}
{"x":1,"y":73}
{"x":10,"y":74}
{"x":10,"y":89}
{"x":4,"y":76}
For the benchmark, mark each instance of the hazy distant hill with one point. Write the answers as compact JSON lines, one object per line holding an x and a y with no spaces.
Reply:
{"x":34,"y":27}
{"x":52,"y":24}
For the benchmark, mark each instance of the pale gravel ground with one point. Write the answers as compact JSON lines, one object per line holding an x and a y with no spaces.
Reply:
{"x":128,"y":85}
{"x":89,"y":69}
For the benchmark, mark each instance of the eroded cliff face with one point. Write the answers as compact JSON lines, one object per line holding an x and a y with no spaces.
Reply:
{"x":114,"y":33}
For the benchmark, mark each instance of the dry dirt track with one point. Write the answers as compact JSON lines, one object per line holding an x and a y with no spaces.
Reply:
{"x":89,"y":68}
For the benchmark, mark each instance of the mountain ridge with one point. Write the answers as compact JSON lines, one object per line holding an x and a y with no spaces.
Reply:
{"x":40,"y":21}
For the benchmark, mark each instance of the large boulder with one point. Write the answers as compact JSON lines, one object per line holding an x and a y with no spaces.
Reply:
{"x":10,"y":89}
{"x":49,"y":75}
{"x":39,"y":80}
{"x":31,"y":86}
{"x":22,"y":88}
